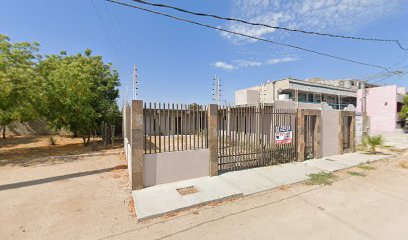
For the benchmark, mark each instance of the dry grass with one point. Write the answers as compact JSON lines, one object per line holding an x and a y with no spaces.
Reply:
{"x":284,"y":188}
{"x":366,"y":167}
{"x":404,"y":164}
{"x":187,"y":190}
{"x":132,"y":208}
{"x":357,"y":174}
{"x":18,"y":148}
{"x":321,"y":178}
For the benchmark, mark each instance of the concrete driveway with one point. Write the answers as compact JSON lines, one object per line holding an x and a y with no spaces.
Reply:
{"x":89,"y":198}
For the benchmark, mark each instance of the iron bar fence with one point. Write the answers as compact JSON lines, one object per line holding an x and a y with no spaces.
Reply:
{"x":174,"y":127}
{"x":253,"y":136}
{"x":310,"y":125}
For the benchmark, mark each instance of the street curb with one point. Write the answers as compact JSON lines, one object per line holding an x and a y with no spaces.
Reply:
{"x":202,"y":204}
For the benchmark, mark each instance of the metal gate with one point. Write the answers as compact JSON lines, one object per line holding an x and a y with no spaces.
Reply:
{"x":310,"y":130}
{"x":254,"y":136}
{"x":347,"y":121}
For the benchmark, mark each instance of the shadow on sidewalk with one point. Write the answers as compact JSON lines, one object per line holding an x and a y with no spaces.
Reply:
{"x":57,"y":178}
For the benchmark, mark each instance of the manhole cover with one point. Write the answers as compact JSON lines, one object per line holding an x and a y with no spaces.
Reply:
{"x":187,"y":190}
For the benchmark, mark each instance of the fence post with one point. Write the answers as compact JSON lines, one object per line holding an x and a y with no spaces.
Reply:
{"x":301,"y":135}
{"x":212,"y":138}
{"x":137,"y":168}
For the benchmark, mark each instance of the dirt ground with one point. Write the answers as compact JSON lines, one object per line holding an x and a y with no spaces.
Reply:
{"x":30,"y":147}
{"x":89,"y":198}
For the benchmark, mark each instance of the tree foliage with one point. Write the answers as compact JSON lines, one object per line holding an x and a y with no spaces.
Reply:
{"x":18,"y":81}
{"x":404,"y":111}
{"x":79,"y":92}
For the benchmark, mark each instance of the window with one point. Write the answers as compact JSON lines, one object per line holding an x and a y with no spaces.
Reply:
{"x":310,"y":98}
{"x":302,"y":97}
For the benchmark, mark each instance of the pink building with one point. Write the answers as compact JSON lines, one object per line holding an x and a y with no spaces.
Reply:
{"x":383,"y":105}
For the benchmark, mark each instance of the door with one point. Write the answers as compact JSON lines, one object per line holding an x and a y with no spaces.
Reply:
{"x":347,"y":133}
{"x":310,"y":136}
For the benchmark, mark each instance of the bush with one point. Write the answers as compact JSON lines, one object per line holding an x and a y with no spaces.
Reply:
{"x":373,"y":142}
{"x":52,"y":140}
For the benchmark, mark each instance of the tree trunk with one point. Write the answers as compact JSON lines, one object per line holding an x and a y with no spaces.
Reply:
{"x":4,"y":131}
{"x":84,"y":139}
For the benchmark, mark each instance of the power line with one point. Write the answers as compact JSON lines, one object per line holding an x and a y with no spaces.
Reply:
{"x":383,"y":75}
{"x":269,"y":26}
{"x":249,"y":36}
{"x":106,"y":31}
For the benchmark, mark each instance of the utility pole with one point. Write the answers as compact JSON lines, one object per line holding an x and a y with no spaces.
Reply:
{"x":262,"y":92}
{"x":134,"y":84}
{"x":217,"y":90}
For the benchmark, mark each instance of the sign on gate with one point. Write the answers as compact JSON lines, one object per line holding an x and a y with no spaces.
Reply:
{"x":283,"y":134}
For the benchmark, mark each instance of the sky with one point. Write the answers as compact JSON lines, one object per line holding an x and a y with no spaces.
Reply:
{"x":177,"y":61}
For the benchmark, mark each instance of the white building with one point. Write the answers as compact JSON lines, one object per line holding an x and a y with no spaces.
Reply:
{"x":338,"y":94}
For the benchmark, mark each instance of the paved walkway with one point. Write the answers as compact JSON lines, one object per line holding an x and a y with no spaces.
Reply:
{"x":161,"y":199}
{"x":397,"y":139}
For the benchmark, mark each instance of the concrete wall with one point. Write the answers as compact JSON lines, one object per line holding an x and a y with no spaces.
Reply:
{"x":401,"y":90}
{"x":34,"y":127}
{"x":381,"y":108}
{"x":359,"y":129}
{"x":330,"y":132}
{"x":287,"y":104}
{"x":175,"y":166}
{"x":246,"y":96}
{"x":127,"y":135}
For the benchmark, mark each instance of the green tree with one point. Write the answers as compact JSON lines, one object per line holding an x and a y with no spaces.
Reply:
{"x":404,"y":111}
{"x":80,"y":92}
{"x":19,"y":82}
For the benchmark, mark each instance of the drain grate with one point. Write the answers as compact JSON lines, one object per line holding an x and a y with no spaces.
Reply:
{"x":187,"y":190}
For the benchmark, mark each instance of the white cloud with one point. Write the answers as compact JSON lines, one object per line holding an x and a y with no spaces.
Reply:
{"x":316,"y":15}
{"x":223,"y":65}
{"x":273,"y":61}
{"x":246,"y":63}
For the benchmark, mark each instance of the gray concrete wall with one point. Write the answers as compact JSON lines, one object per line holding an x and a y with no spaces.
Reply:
{"x":127,"y":135}
{"x":247,"y":96}
{"x":175,"y":166}
{"x":330,"y":132}
{"x":359,"y":129}
{"x":33,"y":128}
{"x":289,"y":104}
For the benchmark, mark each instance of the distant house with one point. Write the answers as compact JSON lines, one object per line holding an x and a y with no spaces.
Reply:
{"x":338,"y":94}
{"x":383,"y":102}
{"x":383,"y":107}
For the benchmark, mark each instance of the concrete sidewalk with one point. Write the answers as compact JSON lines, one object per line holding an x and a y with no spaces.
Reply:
{"x":161,"y":199}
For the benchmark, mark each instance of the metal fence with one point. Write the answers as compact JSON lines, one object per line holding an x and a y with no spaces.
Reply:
{"x":310,"y":127}
{"x":174,"y":127}
{"x":253,"y":136}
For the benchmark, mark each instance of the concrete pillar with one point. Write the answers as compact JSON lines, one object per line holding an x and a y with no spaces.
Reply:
{"x":318,"y":134}
{"x":301,"y":135}
{"x":137,"y":129}
{"x":213,"y":138}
